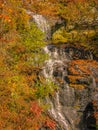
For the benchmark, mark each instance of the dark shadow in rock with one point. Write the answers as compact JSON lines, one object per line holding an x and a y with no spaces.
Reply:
{"x":88,"y":121}
{"x":59,"y":23}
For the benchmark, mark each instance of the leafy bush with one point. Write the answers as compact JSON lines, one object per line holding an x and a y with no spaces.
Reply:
{"x":22,"y":58}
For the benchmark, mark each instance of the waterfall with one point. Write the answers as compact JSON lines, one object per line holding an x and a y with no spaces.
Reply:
{"x":67,"y":104}
{"x":56,"y":67}
{"x":57,"y":60}
{"x":42,"y":23}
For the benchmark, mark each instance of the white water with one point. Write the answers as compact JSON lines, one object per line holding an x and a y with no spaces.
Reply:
{"x":56,"y":113}
{"x":55,"y":110}
{"x":59,"y":111}
{"x":61,"y":104}
{"x":57,"y":61}
{"x":42,"y":23}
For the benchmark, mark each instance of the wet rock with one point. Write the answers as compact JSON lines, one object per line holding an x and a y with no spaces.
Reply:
{"x":70,"y":107}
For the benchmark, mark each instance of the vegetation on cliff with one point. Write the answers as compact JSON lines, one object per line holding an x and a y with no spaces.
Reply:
{"x":22,"y":86}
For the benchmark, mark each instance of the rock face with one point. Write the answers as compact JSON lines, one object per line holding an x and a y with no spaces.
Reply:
{"x":48,"y":27}
{"x":88,"y":118}
{"x":70,"y":107}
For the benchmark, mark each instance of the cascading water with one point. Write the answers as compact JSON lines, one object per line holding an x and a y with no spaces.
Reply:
{"x":56,"y":67}
{"x":67,"y":106}
{"x":42,"y":23}
{"x":55,"y":60}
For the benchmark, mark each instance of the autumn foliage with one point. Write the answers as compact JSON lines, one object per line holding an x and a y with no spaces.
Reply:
{"x":21,"y":43}
{"x":81,"y":71}
{"x":22,"y":85}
